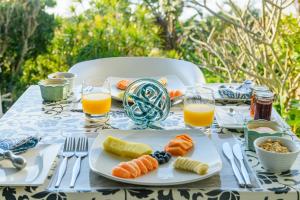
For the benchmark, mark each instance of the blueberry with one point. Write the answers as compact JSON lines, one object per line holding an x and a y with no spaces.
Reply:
{"x":161,"y":161}
{"x":152,"y":155}
{"x":169,"y":155}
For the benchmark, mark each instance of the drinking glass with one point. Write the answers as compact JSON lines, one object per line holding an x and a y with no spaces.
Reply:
{"x":96,"y":100}
{"x":199,"y":107}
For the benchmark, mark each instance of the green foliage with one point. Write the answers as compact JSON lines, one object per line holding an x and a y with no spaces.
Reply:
{"x":108,"y":29}
{"x":287,"y":43}
{"x":25,"y":32}
{"x":226,"y":47}
{"x":293,"y":116}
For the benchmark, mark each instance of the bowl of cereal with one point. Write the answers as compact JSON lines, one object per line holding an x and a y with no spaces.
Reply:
{"x":276,"y":154}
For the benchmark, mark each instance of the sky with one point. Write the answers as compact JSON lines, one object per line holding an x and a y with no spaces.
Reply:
{"x":62,"y":7}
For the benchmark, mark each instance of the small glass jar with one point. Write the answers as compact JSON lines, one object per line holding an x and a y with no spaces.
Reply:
{"x":256,"y":90}
{"x":263,"y":105}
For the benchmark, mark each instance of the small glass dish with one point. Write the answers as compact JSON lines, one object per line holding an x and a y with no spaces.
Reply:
{"x":69,"y":77}
{"x":54,"y":89}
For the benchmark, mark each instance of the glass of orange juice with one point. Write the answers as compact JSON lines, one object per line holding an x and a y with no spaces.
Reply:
{"x":199,"y":107}
{"x":96,"y":100}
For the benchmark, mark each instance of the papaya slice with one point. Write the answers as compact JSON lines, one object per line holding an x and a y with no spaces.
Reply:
{"x":181,"y":143}
{"x":178,"y":93}
{"x":122,"y":84}
{"x":133,"y":164}
{"x":147,"y":163}
{"x":130,"y":168}
{"x":184,"y":137}
{"x":175,"y":93}
{"x":135,"y":167}
{"x":121,"y":172}
{"x":141,"y":165}
{"x":175,"y":151}
{"x":153,"y":161}
{"x":163,"y":81}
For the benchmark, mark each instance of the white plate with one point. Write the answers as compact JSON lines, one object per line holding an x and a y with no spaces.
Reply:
{"x":39,"y":161}
{"x":102,"y":162}
{"x":242,"y":115}
{"x":173,"y":83}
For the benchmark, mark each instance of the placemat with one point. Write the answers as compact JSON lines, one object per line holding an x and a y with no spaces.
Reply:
{"x":90,"y":181}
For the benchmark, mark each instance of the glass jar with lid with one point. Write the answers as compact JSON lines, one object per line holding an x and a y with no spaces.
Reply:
{"x":263,"y":105}
{"x":256,"y":89}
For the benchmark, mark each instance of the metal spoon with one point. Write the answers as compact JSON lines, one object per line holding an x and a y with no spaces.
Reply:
{"x":231,"y":112}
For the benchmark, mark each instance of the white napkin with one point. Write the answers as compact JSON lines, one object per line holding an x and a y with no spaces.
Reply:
{"x":225,"y":119}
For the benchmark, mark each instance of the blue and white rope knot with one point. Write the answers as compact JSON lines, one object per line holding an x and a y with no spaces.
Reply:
{"x":146,"y":101}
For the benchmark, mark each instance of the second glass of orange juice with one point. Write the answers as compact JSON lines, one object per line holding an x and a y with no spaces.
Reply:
{"x":96,"y":100}
{"x":199,"y":107}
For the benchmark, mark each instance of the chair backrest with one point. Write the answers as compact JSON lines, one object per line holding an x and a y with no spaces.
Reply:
{"x":131,"y":67}
{"x":1,"y":111}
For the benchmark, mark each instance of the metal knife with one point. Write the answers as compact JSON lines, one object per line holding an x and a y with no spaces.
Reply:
{"x":237,"y":151}
{"x":228,"y":153}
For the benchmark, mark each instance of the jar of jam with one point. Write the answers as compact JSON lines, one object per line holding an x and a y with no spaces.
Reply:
{"x":256,"y":89}
{"x":263,"y":105}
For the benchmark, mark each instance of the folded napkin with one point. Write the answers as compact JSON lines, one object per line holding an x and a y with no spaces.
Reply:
{"x":19,"y":145}
{"x":244,"y":91}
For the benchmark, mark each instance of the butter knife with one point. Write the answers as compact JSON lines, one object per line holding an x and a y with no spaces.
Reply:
{"x":228,"y":153}
{"x":237,"y":151}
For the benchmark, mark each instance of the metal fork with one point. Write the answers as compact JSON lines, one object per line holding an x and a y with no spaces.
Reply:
{"x":81,"y":152}
{"x":68,"y":152}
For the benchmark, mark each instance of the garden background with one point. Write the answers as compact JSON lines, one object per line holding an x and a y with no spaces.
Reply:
{"x":230,"y":44}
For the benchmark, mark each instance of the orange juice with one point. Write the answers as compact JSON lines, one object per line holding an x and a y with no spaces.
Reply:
{"x":198,"y":114}
{"x":96,"y":103}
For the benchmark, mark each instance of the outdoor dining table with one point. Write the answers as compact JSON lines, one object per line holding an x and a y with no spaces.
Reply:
{"x":53,"y":122}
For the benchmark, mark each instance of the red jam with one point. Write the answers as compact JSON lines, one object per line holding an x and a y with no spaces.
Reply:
{"x":256,"y":90}
{"x":263,"y":105}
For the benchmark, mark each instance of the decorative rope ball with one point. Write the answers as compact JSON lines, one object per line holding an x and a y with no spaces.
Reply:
{"x":146,"y":101}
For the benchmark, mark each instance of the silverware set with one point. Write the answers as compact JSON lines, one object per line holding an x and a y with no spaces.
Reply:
{"x":72,"y":147}
{"x":231,"y":154}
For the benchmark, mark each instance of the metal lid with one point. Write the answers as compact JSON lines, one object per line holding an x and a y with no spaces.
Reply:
{"x":264,"y":95}
{"x":260,"y":88}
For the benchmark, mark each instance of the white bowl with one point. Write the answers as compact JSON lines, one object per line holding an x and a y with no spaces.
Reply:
{"x":70,"y":77}
{"x":277,"y":162}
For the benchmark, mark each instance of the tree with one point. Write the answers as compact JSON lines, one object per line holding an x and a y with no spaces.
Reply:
{"x":262,"y":47}
{"x":25,"y":31}
{"x":108,"y":28}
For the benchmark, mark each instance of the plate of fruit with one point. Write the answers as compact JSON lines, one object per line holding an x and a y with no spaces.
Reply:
{"x":172,"y":83}
{"x":154,"y":157}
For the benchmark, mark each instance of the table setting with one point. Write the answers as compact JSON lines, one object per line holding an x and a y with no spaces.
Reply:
{"x":146,"y":138}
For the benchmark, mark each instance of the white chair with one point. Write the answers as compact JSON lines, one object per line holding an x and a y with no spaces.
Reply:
{"x":131,"y":67}
{"x":1,"y":111}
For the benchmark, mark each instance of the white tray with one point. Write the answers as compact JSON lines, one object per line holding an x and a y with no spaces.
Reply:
{"x":102,"y":162}
{"x":39,"y":162}
{"x":236,"y":121}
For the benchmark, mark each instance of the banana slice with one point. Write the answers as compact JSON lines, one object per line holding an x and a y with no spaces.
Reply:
{"x":188,"y":164}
